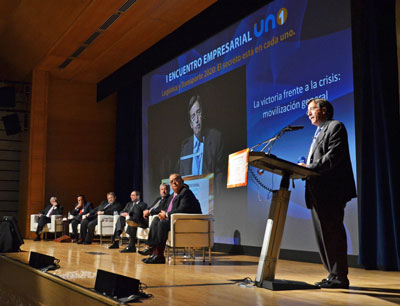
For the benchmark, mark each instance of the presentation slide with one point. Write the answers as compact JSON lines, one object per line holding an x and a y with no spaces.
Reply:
{"x":239,"y":88}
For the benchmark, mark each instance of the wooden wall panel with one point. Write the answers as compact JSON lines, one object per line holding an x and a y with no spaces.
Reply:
{"x":35,"y":163}
{"x":71,"y":146}
{"x":80,"y":143}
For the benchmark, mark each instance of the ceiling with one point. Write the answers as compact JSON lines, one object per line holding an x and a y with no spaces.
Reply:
{"x":43,"y":34}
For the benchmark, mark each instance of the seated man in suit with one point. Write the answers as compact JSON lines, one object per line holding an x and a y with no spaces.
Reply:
{"x":181,"y":201}
{"x":52,"y":209}
{"x":82,"y":207}
{"x":133,"y":209}
{"x":161,"y":203}
{"x":89,"y":221}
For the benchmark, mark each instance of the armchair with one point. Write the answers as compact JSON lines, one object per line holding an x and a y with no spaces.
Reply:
{"x":105,"y":226}
{"x":142,"y":234}
{"x":55,"y":226}
{"x":191,"y":231}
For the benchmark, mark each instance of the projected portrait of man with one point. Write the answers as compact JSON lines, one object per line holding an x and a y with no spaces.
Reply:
{"x":202,"y":152}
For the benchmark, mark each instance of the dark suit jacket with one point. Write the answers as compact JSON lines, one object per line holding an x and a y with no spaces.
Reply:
{"x":108,"y":211}
{"x":57,"y":211}
{"x":162,"y":206}
{"x":184,"y":202}
{"x":213,"y":156}
{"x":129,"y":207}
{"x":331,"y":158}
{"x":86,"y":209}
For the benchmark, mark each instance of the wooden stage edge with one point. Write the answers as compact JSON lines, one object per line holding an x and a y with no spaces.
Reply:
{"x":189,"y":282}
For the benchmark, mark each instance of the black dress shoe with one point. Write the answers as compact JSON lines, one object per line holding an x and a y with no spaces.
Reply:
{"x":128,"y":249}
{"x":148,"y":258}
{"x":147,"y":251}
{"x":334,"y":284}
{"x":86,"y":242}
{"x":325,"y":280}
{"x":37,"y":238}
{"x":156,"y":259}
{"x":79,"y":241}
{"x":114,"y":245}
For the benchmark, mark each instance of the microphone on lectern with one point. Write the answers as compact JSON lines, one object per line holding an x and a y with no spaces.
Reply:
{"x":290,"y":128}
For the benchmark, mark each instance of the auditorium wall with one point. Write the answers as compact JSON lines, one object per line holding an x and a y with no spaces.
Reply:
{"x":76,"y":150}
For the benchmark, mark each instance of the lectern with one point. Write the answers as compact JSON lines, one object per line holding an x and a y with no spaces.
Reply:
{"x":276,"y":219}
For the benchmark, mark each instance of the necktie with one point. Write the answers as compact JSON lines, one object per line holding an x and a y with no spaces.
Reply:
{"x":170,"y":203}
{"x":50,"y":212}
{"x":196,"y":170}
{"x":156,"y":205}
{"x":133,"y":205}
{"x":313,"y":144}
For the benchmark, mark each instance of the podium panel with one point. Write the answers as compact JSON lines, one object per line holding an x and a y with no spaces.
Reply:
{"x":273,"y":236}
{"x":265,"y":277}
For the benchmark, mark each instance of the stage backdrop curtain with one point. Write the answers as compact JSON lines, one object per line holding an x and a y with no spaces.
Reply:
{"x":378,"y":124}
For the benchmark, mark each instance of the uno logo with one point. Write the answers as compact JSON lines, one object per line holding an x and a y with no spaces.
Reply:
{"x":270,"y":22}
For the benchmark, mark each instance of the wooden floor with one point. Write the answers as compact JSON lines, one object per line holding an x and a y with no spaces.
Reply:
{"x":194,"y":283}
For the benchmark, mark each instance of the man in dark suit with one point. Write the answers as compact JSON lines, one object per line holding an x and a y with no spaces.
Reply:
{"x":161,"y":203}
{"x":81,"y":208}
{"x":89,"y":221}
{"x":45,"y":216}
{"x":134,"y":209}
{"x":201,"y":153}
{"x":327,"y":194}
{"x":181,"y":201}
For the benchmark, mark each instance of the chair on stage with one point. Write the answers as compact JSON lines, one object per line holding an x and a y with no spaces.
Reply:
{"x":192,"y":231}
{"x":105,"y":226}
{"x":142,"y":234}
{"x":55,"y":226}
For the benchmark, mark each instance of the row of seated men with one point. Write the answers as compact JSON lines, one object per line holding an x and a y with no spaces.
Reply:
{"x":182,"y":200}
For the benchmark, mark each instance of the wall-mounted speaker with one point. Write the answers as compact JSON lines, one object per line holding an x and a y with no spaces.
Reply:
{"x":7,"y":96}
{"x":11,"y":124}
{"x":115,"y":285}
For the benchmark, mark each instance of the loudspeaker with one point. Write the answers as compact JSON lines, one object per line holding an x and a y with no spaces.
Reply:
{"x":115,"y":285}
{"x":11,"y":124}
{"x":41,"y":261}
{"x":7,"y":96}
{"x":10,"y":236}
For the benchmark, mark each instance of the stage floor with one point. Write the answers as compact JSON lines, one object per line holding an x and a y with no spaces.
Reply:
{"x":197,"y":283}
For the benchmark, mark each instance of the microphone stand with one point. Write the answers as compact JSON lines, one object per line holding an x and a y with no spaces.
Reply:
{"x":270,"y":142}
